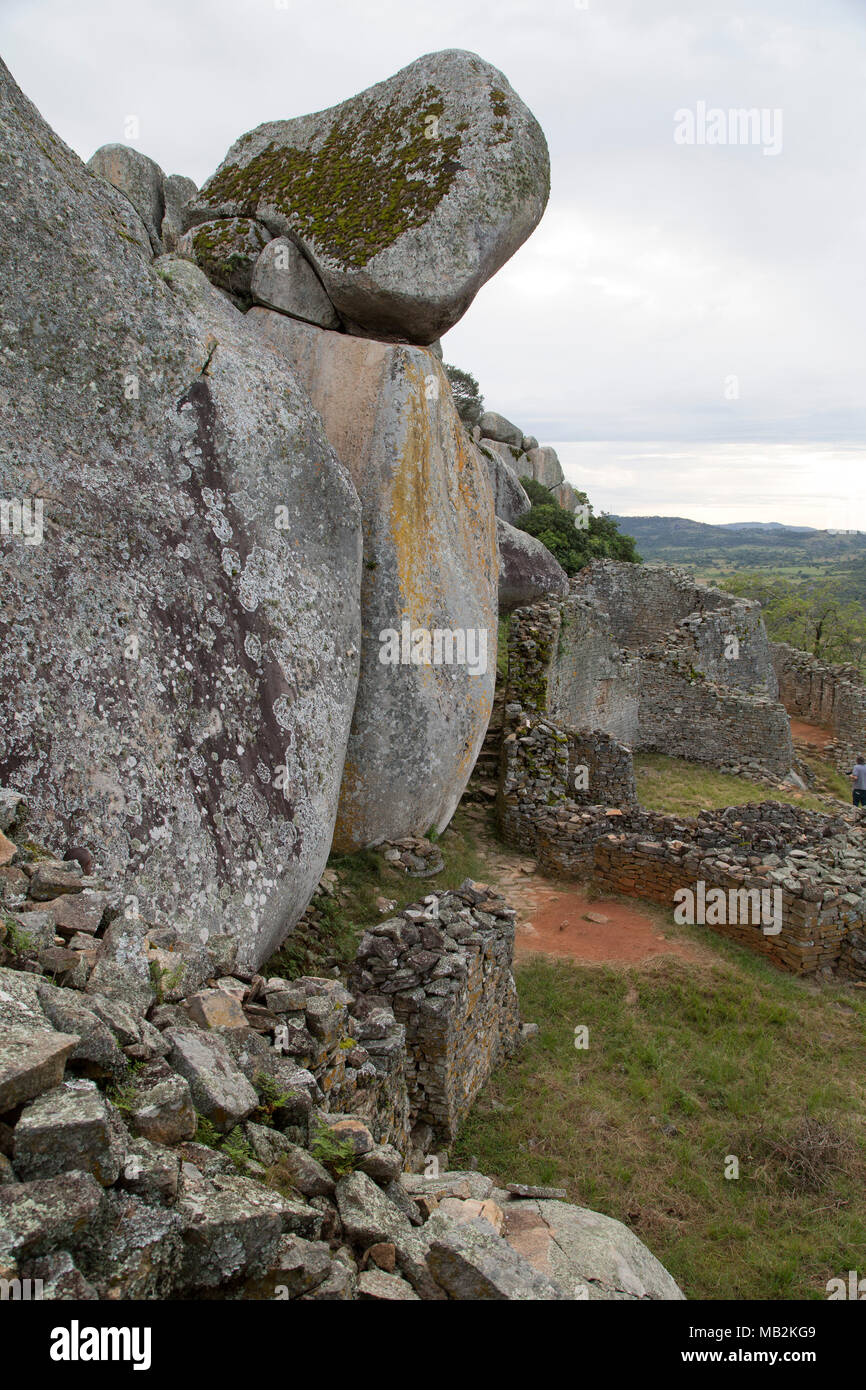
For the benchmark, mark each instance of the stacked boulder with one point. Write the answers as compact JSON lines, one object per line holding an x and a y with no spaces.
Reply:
{"x":527,"y":570}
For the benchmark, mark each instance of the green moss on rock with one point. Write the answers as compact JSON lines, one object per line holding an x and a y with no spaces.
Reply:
{"x":376,"y":175}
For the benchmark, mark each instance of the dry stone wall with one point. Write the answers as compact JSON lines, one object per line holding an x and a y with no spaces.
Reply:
{"x":444,"y":967}
{"x":831,"y":695}
{"x":657,"y":663}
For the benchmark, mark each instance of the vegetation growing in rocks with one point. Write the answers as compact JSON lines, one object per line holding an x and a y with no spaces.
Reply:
{"x":573,"y":546}
{"x":467,"y":395}
{"x":375,"y":176}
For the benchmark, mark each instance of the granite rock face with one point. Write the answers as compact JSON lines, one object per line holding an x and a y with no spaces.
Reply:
{"x":139,"y":179}
{"x":429,"y":566}
{"x":405,"y":198}
{"x":180,"y":624}
{"x":510,"y":498}
{"x":527,"y":570}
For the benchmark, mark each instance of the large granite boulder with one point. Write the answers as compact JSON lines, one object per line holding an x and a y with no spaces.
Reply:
{"x":429,"y":564}
{"x":510,"y":499}
{"x":139,"y":179}
{"x":589,"y":1255}
{"x":527,"y":570}
{"x":545,"y":467}
{"x":179,"y":654}
{"x":405,"y":198}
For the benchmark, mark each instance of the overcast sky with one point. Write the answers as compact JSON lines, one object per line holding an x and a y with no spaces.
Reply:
{"x":673,"y":292}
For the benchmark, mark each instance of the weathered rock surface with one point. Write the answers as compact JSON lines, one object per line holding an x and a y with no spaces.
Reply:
{"x":510,"y":499}
{"x":192,"y":612}
{"x":527,"y":570}
{"x":283,"y":279}
{"x":496,"y":427}
{"x":587,"y":1250}
{"x":68,"y":1128}
{"x":226,"y":249}
{"x":139,"y":179}
{"x":471,"y":1262}
{"x":429,"y":563}
{"x":406,"y":198}
{"x":178,"y":190}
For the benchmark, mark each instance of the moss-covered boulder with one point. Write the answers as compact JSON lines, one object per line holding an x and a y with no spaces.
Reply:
{"x":227,"y":249}
{"x":406,"y":198}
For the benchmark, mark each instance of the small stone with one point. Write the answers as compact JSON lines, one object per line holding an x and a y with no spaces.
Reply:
{"x":387,"y":1288}
{"x":216,"y":1008}
{"x":164,"y":1113}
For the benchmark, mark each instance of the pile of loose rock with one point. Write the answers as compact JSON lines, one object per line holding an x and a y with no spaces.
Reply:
{"x":172,"y":1128}
{"x":415,"y":855}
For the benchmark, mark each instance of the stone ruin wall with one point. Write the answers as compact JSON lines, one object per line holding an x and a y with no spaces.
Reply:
{"x":649,"y":855}
{"x":444,"y":969}
{"x":833,"y":696}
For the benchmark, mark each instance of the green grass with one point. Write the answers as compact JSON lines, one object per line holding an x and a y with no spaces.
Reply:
{"x":685,"y":788}
{"x":729,"y":1059}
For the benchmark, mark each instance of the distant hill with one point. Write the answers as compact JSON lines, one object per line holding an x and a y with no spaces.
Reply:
{"x":792,"y":552}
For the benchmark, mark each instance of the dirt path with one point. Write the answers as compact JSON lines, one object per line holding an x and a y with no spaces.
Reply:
{"x":813,"y":734}
{"x":559,"y":918}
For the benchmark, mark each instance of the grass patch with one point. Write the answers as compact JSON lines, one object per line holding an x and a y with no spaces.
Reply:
{"x":684,"y":788}
{"x":686,"y":1066}
{"x":828,"y":779}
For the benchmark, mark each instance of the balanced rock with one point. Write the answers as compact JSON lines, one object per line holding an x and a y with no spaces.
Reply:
{"x":496,"y":427}
{"x":527,"y":570}
{"x":186,"y":646}
{"x":405,"y":198}
{"x":429,"y":565}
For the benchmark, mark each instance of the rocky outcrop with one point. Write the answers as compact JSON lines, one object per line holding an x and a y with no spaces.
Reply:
{"x":263,"y":1144}
{"x":510,"y":500}
{"x":179,"y":654}
{"x":139,"y":179}
{"x":527,"y":570}
{"x":429,"y":567}
{"x":405,"y":198}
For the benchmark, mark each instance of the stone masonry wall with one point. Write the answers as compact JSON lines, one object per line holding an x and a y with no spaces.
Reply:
{"x":817,"y":862}
{"x":831,"y":695}
{"x":444,"y":968}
